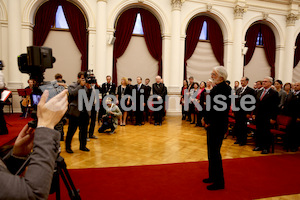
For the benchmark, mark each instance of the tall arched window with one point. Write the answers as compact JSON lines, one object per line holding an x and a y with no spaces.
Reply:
{"x":204,"y":48}
{"x":62,"y":26}
{"x":138,"y":45}
{"x":296,"y":71}
{"x":260,"y":57}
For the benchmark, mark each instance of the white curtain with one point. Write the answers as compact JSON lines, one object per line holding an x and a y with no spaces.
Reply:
{"x":137,"y":61}
{"x":202,"y":62}
{"x":258,"y":67}
{"x":296,"y":74}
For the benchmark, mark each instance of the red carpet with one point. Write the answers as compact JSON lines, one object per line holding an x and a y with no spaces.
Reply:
{"x":246,"y":178}
{"x":14,"y":125}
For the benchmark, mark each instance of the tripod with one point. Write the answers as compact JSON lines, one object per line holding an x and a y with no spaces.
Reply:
{"x":61,"y":170}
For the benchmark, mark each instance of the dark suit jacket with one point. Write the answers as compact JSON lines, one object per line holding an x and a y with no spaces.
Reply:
{"x":218,"y":119}
{"x":148,"y":91}
{"x":126,"y":92}
{"x":73,"y":98}
{"x":111,"y":89}
{"x":267,"y":108}
{"x":138,"y":94}
{"x":248,"y":91}
{"x":37,"y":181}
{"x":158,"y":89}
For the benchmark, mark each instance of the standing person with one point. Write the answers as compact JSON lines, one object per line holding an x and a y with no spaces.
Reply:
{"x":158,"y":89}
{"x":192,"y":108}
{"x":259,"y":85}
{"x":201,"y":100}
{"x":147,"y":95}
{"x":209,"y":86}
{"x":94,"y":87}
{"x":3,"y":127}
{"x":216,"y":124}
{"x":282,"y":94}
{"x":191,"y":87}
{"x":164,"y":97}
{"x":76,"y":117}
{"x":60,"y":80}
{"x":293,"y":138}
{"x":140,"y":89}
{"x":130,"y":113}
{"x":240,"y":126}
{"x":123,"y":90}
{"x":236,"y":86}
{"x":184,"y":90}
{"x":266,"y":110}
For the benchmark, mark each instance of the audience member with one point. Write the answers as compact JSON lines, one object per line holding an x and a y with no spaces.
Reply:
{"x":267,"y":101}
{"x":3,"y":127}
{"x":93,"y":115}
{"x":282,"y":94}
{"x":140,"y":89}
{"x":184,"y":90}
{"x":192,"y":99}
{"x":201,"y":100}
{"x":159,"y":90}
{"x":123,"y":89}
{"x":147,"y":95}
{"x":240,"y":127}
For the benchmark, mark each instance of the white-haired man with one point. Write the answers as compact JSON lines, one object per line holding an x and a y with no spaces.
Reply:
{"x":267,"y":101}
{"x":159,"y":90}
{"x":216,"y":123}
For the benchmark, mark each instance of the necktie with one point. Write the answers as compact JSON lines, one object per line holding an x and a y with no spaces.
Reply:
{"x":243,"y":89}
{"x":262,"y":96}
{"x":139,"y":87}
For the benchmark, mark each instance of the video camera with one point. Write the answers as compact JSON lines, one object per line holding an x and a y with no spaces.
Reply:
{"x":90,"y":77}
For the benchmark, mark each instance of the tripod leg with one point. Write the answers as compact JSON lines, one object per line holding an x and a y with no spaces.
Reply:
{"x":57,"y":190}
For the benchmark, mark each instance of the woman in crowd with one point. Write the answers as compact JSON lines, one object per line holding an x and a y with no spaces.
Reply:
{"x":201,"y":101}
{"x":236,"y":86}
{"x":209,"y":86}
{"x":123,"y":89}
{"x":281,"y":92}
{"x":192,"y":110}
{"x":184,"y":90}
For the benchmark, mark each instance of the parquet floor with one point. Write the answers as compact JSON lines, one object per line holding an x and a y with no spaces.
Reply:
{"x":176,"y":141}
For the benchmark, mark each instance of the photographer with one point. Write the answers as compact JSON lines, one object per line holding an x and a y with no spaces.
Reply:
{"x":110,"y":119}
{"x":44,"y":145}
{"x":76,"y":117}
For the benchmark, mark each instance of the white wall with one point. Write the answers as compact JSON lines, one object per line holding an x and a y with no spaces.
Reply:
{"x":68,"y":57}
{"x":258,"y":67}
{"x":202,"y":62}
{"x":137,"y":61}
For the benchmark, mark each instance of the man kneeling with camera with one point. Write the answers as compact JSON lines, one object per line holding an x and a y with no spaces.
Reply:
{"x":43,"y":144}
{"x":110,"y":119}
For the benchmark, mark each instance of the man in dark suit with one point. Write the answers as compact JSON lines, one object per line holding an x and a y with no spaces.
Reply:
{"x":147,"y":95}
{"x":159,"y":90}
{"x":76,"y":117}
{"x":216,"y":123}
{"x":267,"y":101}
{"x":140,"y":89}
{"x":240,"y":127}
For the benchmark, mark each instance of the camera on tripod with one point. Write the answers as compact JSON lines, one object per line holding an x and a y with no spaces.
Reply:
{"x":90,"y":77}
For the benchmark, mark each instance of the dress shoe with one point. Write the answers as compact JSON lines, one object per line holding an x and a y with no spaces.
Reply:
{"x":242,"y":144}
{"x":265,"y":151}
{"x":69,"y":151}
{"x":160,"y":124}
{"x":215,"y":187}
{"x":236,"y":142}
{"x":257,"y":149}
{"x":84,"y":149}
{"x":112,"y":132}
{"x":155,"y":124}
{"x":88,"y":139}
{"x":207,"y":180}
{"x":93,"y":137}
{"x":294,"y":149}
